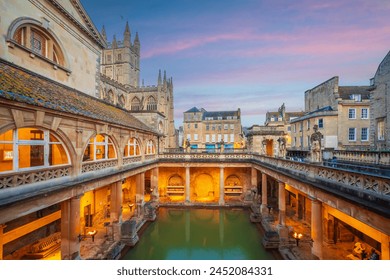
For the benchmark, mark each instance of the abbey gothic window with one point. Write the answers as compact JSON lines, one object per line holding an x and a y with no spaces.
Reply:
{"x":122,"y":101}
{"x":152,"y":104}
{"x":110,"y":96}
{"x":135,"y":104}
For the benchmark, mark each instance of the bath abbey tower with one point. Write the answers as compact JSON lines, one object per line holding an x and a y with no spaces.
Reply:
{"x":120,"y":85}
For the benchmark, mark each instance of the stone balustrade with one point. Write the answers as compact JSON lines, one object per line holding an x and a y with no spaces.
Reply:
{"x":16,"y":179}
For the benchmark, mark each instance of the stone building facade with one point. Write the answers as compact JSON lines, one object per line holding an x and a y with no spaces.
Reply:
{"x":380,"y":107}
{"x":212,"y":130}
{"x":120,"y":85}
{"x":342,"y":114}
{"x":274,"y":137}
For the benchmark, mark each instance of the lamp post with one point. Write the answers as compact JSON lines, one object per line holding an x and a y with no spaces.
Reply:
{"x":297,"y":237}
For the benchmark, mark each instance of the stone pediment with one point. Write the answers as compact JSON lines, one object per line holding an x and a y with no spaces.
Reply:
{"x":75,"y":12}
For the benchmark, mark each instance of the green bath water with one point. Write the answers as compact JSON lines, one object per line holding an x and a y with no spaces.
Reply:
{"x":200,"y":234}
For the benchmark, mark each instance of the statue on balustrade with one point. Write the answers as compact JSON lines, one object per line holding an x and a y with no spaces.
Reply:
{"x":282,"y":147}
{"x":315,"y":139}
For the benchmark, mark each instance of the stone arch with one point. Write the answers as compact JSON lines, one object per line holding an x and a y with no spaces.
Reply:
{"x":58,"y":48}
{"x":160,"y":126}
{"x":35,"y":140}
{"x":122,"y":101}
{"x":175,"y":180}
{"x":135,"y":104}
{"x":233,"y":180}
{"x":111,"y":96}
{"x":204,"y":187}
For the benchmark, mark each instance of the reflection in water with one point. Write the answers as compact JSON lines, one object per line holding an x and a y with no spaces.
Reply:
{"x":200,"y":234}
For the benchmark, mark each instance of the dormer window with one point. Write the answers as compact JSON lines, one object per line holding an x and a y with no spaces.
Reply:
{"x":356,"y":97}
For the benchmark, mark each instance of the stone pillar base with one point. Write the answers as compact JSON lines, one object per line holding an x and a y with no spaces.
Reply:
{"x":130,"y":241}
{"x":283,"y":235}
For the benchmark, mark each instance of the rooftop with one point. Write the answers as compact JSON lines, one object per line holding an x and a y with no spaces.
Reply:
{"x":21,"y":85}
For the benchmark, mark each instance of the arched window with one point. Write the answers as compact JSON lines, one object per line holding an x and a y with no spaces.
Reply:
{"x":110,"y":96}
{"x":99,"y":148}
{"x":39,"y":41}
{"x":152,"y":104}
{"x":135,"y":104}
{"x":160,"y":126}
{"x":30,"y":148}
{"x":132,"y":148}
{"x":122,"y":101}
{"x":149,"y":148}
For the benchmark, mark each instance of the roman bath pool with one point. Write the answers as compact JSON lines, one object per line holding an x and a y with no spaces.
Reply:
{"x":200,"y":234}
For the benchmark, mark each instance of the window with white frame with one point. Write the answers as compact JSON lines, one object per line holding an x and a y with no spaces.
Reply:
{"x":351,"y":113}
{"x":99,"y":148}
{"x":150,"y":149}
{"x":232,"y":138}
{"x":226,"y":138}
{"x":213,"y":138}
{"x":207,"y":138}
{"x":132,"y":148}
{"x":364,"y":113}
{"x":232,"y":126}
{"x":195,"y":137}
{"x":352,"y":134}
{"x":364,"y":134}
{"x":225,"y":126}
{"x":219,"y":137}
{"x":30,"y":148}
{"x":189,"y":137}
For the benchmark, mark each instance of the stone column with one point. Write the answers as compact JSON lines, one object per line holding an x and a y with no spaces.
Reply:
{"x":282,"y":229}
{"x":264,"y":200}
{"x":1,"y":240}
{"x":154,"y":182}
{"x":329,"y":227}
{"x":70,"y":229}
{"x":140,"y":192}
{"x":254,"y":177}
{"x":316,"y":228}
{"x":221,"y":186}
{"x":282,"y":204}
{"x":187,"y":190}
{"x":385,"y":250}
{"x":140,"y":182}
{"x":116,"y":209}
{"x":116,"y":202}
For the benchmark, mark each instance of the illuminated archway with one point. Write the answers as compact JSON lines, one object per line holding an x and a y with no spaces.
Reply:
{"x":31,"y":148}
{"x":204,"y":187}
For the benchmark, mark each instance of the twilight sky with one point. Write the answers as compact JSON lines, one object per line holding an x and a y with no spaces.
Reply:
{"x":250,"y":54}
